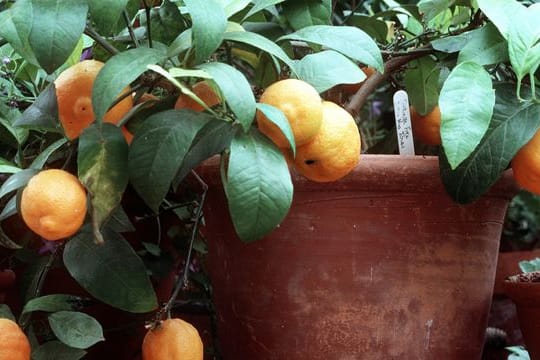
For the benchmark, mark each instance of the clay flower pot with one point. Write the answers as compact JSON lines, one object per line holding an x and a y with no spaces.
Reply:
{"x":524,"y":291}
{"x":379,"y":265}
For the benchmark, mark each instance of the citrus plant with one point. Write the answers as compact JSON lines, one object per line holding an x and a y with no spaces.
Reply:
{"x":131,"y":96}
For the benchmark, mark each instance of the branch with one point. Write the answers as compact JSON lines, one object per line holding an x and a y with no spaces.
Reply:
{"x":372,"y":83}
{"x":100,"y":40}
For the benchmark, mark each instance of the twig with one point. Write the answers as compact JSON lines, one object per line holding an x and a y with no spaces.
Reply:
{"x":148,"y":27}
{"x":100,"y":40}
{"x":130,"y":28}
{"x":368,"y":87}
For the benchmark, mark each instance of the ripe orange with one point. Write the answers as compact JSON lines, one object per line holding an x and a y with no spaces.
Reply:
{"x":526,"y":165}
{"x":334,"y":151}
{"x":173,"y":339}
{"x":14,"y":344}
{"x":74,"y":98}
{"x":53,"y":204}
{"x":204,"y":92}
{"x":351,"y":89}
{"x":427,"y":128}
{"x":302,"y":106}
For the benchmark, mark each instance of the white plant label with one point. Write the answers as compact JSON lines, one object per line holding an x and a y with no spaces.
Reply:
{"x":403,"y":123}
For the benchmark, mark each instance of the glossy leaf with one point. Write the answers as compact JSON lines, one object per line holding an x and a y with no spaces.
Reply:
{"x":236,"y":89}
{"x":326,"y":69}
{"x":9,"y":209}
{"x":258,"y":186}
{"x":57,"y":26}
{"x":432,"y":8}
{"x":212,"y":139}
{"x":279,"y":119}
{"x":44,"y":155}
{"x":513,"y":125}
{"x":103,"y":168}
{"x":466,"y":102}
{"x":6,"y":242}
{"x":7,"y":167}
{"x":5,"y":312}
{"x":17,"y":181}
{"x":498,"y":10}
{"x":111,"y":272}
{"x":106,"y":13}
{"x":51,"y":303}
{"x":259,"y":5}
{"x":232,"y":7}
{"x":118,"y":73}
{"x":452,"y":44}
{"x":422,"y":84}
{"x":166,"y":22}
{"x":76,"y":329}
{"x":158,"y":150}
{"x":260,"y":42}
{"x":348,"y":40}
{"x":486,"y":46}
{"x":119,"y":221}
{"x":56,"y":350}
{"x":209,"y":23}
{"x":304,"y":13}
{"x":42,"y":113}
{"x":15,"y":27}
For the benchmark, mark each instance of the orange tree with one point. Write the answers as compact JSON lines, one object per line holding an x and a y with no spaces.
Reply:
{"x":469,"y":59}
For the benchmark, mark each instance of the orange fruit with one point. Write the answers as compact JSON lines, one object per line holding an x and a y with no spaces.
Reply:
{"x":74,"y":98}
{"x":14,"y":344}
{"x":351,"y":89}
{"x":204,"y":91}
{"x":427,"y":128}
{"x":53,"y":204}
{"x":302,"y":106}
{"x":334,"y":151}
{"x":526,"y":165}
{"x":172,"y":339}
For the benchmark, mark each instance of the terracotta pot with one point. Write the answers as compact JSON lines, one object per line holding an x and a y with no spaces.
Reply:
{"x":508,"y":264}
{"x":526,"y":296}
{"x":379,"y":265}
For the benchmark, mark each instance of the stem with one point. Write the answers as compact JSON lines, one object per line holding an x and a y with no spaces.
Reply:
{"x":148,"y":28}
{"x":130,"y":28}
{"x":25,"y":319}
{"x":100,"y":40}
{"x":182,"y":284}
{"x":368,"y":87}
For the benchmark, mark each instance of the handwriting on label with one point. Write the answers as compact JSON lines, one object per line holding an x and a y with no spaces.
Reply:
{"x":402,"y":117}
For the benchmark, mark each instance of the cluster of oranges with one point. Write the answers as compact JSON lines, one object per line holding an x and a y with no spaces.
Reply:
{"x":326,"y":136}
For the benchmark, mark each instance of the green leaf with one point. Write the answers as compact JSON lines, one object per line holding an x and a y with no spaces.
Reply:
{"x":5,"y":312}
{"x":486,"y":46}
{"x":236,"y":90}
{"x":498,"y":12}
{"x":432,"y":8}
{"x":15,"y":27}
{"x":212,"y":139}
{"x":119,"y":221}
{"x":43,"y":156}
{"x":9,"y":209}
{"x":260,"y":42}
{"x":56,"y":350}
{"x":376,"y":28}
{"x":42,"y":113}
{"x":118,"y":73}
{"x":529,"y":265}
{"x":304,"y":13}
{"x":111,"y":272}
{"x":258,"y":186}
{"x":278,"y":118}
{"x":466,"y":102}
{"x":517,"y":353}
{"x":422,"y":84}
{"x":326,"y":69}
{"x":166,"y":22}
{"x":209,"y":23}
{"x":234,"y":6}
{"x":57,"y":26}
{"x":6,"y":242}
{"x":513,"y":125}
{"x":452,"y":44}
{"x":259,"y":5}
{"x":17,"y":181}
{"x":7,"y":167}
{"x":158,"y":150}
{"x":348,"y":40}
{"x":76,"y":329}
{"x":52,"y":303}
{"x":106,"y":14}
{"x":103,"y":168}
{"x":9,"y":133}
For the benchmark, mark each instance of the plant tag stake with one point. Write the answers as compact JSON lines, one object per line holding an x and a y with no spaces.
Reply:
{"x":403,"y":123}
